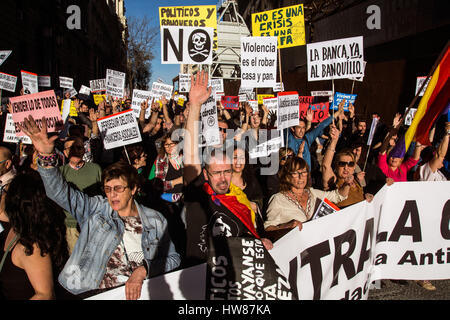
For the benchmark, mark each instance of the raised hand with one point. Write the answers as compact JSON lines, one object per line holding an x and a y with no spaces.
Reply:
{"x":334,"y":132}
{"x":144,"y":105}
{"x":397,"y":120}
{"x":200,"y":91}
{"x":39,"y":137}
{"x":309,"y":115}
{"x":351,"y":109}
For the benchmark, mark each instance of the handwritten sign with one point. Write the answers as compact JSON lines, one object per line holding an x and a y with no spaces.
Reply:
{"x":230,"y":102}
{"x":119,"y":129}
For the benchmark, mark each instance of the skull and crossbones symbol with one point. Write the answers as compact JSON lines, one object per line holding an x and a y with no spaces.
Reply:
{"x":199,"y":42}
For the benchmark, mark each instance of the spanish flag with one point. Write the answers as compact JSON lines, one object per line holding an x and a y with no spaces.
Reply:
{"x":432,"y":104}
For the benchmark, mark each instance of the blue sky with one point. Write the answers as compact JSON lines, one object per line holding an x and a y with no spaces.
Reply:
{"x":149,"y":8}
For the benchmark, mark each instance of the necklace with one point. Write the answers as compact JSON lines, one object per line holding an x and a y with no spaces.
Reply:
{"x":294,"y":199}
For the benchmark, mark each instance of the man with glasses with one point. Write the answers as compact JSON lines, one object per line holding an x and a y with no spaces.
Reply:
{"x":212,"y":202}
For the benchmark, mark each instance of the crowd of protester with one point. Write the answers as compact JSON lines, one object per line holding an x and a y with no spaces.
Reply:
{"x":78,"y":219}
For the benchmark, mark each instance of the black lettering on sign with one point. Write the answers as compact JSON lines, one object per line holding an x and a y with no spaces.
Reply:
{"x":445,"y":221}
{"x":400,"y":229}
{"x":367,"y":239}
{"x":178,"y":51}
{"x":344,"y":259}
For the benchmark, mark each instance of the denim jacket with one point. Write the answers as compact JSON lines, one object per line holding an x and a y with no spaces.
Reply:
{"x":101,"y":233}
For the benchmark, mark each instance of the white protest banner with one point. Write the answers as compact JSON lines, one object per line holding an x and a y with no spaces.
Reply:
{"x":115,"y":83}
{"x":410,"y":116}
{"x":210,"y":124}
{"x":138,"y":97}
{"x":360,"y":79}
{"x":161,"y":90}
{"x":419,"y":83}
{"x":258,"y":62}
{"x":271,"y":104}
{"x":186,"y":45}
{"x":8,"y":82}
{"x":216,"y":85}
{"x":98,"y":85}
{"x":10,"y":132}
{"x":184,"y":82}
{"x":29,"y":82}
{"x":335,"y":59}
{"x":253,"y":104}
{"x":65,"y":82}
{"x":85,"y":90}
{"x":44,"y":81}
{"x":401,"y":234}
{"x":288,"y":110}
{"x":119,"y":129}
{"x":37,"y":105}
{"x":4,"y":54}
{"x":279,"y":87}
{"x":184,"y":284}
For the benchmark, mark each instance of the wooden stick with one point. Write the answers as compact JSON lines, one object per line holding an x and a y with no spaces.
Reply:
{"x":353,"y":85}
{"x":279,"y":66}
{"x":126,"y":152}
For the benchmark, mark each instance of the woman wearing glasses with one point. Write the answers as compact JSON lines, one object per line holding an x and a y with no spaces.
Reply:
{"x":296,"y":201}
{"x":344,"y":167}
{"x":121,"y":242}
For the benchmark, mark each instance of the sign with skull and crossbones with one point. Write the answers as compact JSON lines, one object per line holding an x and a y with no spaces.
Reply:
{"x":186,"y":45}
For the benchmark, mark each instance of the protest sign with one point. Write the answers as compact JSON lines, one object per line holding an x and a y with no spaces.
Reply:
{"x":248,"y":92}
{"x":373,"y":126}
{"x":261,"y":97}
{"x":360,"y":79}
{"x":328,"y":94}
{"x":65,"y":110}
{"x":242,"y":269}
{"x":335,"y":59}
{"x":410,"y":116}
{"x":85,"y":90}
{"x":287,"y":24}
{"x":210,"y":124}
{"x":186,"y":45}
{"x":115,"y":83}
{"x":288,"y":110}
{"x":303,"y":104}
{"x":4,"y":54}
{"x":29,"y":82}
{"x":99,"y":98}
{"x":216,"y":85}
{"x":243,"y":98}
{"x":218,"y":96}
{"x":279,"y":87}
{"x":401,"y":234}
{"x":119,"y":129}
{"x":258,"y":62}
{"x":325,"y":208}
{"x":320,"y":111}
{"x":184,"y":82}
{"x":72,"y":92}
{"x":190,"y":16}
{"x":254,"y":105}
{"x":419,"y":83}
{"x":230,"y":102}
{"x":338,"y":97}
{"x":8,"y":82}
{"x":161,"y":90}
{"x":44,"y":81}
{"x":266,"y":148}
{"x":37,"y":105}
{"x":9,"y":134}
{"x":271,"y":104}
{"x":140,"y":96}
{"x":65,"y":82}
{"x":184,"y":284}
{"x":180,"y":101}
{"x":97,"y":85}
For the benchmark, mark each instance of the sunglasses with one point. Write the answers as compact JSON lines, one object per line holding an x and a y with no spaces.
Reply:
{"x":223,"y":129}
{"x":285,"y":158}
{"x":343,"y":164}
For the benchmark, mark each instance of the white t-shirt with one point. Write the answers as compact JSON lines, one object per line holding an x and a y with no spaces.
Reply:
{"x":426,"y":174}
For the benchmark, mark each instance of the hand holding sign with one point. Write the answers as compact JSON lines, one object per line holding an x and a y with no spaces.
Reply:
{"x":41,"y":142}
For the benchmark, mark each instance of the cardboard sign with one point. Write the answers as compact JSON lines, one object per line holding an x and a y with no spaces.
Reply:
{"x":44,"y":81}
{"x":8,"y":82}
{"x":410,"y":116}
{"x":140,"y":96}
{"x":65,"y":82}
{"x":210,"y":124}
{"x":184,"y":82}
{"x":279,"y":87}
{"x":4,"y":54}
{"x":419,"y":82}
{"x":261,"y":97}
{"x":288,"y":110}
{"x":186,"y":45}
{"x":161,"y":90}
{"x":287,"y":24}
{"x":119,"y":129}
{"x":338,"y":97}
{"x":271,"y":104}
{"x":9,"y":134}
{"x":216,"y":85}
{"x":37,"y":105}
{"x":99,"y":98}
{"x":335,"y":59}
{"x":243,"y":98}
{"x":85,"y":90}
{"x":29,"y":82}
{"x":190,"y":16}
{"x":115,"y":83}
{"x":230,"y":102}
{"x":259,"y":62}
{"x":97,"y":85}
